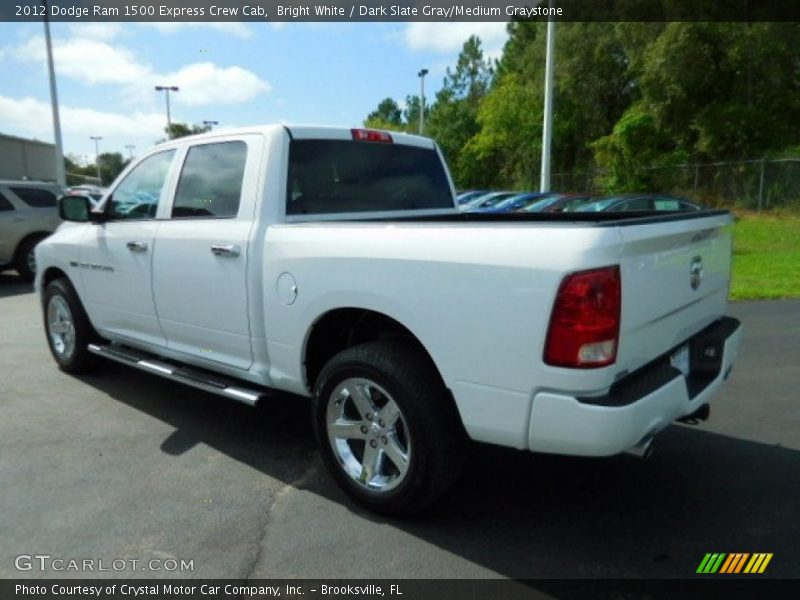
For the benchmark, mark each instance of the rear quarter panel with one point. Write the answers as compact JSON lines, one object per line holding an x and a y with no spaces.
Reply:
{"x":477,"y":297}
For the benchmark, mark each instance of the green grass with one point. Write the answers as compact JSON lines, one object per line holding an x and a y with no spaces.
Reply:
{"x":766,"y":257}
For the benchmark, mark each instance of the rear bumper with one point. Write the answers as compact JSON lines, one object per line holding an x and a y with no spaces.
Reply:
{"x":638,"y":406}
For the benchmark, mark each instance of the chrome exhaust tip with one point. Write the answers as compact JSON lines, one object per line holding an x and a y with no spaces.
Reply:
{"x":643,"y":449}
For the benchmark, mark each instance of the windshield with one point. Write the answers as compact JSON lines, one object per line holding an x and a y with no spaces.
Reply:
{"x":339,"y":176}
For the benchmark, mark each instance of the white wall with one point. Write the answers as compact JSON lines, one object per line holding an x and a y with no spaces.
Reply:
{"x":26,"y":159}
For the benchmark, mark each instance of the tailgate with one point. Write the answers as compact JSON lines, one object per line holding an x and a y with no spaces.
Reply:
{"x":675,"y":279}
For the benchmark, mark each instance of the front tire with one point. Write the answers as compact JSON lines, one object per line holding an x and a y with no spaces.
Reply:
{"x":386,"y":429}
{"x":68,"y":329}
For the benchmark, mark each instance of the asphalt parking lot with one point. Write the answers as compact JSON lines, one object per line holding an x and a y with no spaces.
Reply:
{"x":121,"y":464}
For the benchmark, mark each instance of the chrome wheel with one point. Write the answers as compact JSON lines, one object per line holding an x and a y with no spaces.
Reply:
{"x":368,"y":434}
{"x":60,"y":327}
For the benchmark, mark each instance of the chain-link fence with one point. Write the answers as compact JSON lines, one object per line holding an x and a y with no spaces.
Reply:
{"x":762,"y":184}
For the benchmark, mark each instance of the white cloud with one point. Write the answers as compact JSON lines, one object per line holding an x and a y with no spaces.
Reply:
{"x":29,"y":117}
{"x":205,"y":83}
{"x":239,"y":30}
{"x":450,"y":37}
{"x":89,"y":61}
{"x":99,"y":63}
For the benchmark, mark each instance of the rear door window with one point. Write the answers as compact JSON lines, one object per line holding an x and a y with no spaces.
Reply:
{"x":668,"y":204}
{"x":211,"y":181}
{"x":340,"y":176}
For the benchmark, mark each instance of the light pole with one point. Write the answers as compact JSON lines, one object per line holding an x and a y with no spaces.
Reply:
{"x":210,"y":124}
{"x":547,"y":125}
{"x":130,"y":148}
{"x":167,"y":89}
{"x":97,"y":139}
{"x":421,"y":76}
{"x":61,"y":176}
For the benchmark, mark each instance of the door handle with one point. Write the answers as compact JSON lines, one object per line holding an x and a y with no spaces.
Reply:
{"x":136,"y":246}
{"x":225,"y":250}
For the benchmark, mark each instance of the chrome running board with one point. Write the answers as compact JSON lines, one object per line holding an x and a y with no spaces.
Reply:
{"x":198,"y":378}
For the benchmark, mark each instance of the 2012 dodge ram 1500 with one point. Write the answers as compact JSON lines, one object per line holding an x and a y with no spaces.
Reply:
{"x":333,"y":263}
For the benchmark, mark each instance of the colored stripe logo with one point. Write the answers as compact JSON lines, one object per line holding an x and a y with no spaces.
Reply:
{"x":736,"y":562}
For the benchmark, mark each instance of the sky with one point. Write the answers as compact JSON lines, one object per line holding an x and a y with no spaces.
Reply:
{"x":236,"y":73}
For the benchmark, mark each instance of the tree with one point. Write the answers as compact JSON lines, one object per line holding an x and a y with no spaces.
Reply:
{"x":387,"y":112}
{"x":628,"y":96}
{"x":179,"y":130}
{"x":77,"y":174}
{"x":506,"y":149}
{"x":411,"y":113}
{"x":725,"y":90}
{"x":111,"y":164}
{"x":453,"y":116}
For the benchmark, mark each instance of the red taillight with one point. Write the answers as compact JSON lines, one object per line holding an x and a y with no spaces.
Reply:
{"x":371,"y":135}
{"x":584,"y":326}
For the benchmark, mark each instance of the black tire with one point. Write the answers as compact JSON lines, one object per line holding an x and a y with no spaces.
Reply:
{"x":437,"y":440}
{"x":21,"y":263}
{"x":79,"y":359}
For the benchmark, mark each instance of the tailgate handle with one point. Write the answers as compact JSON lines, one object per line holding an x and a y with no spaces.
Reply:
{"x":225,"y":250}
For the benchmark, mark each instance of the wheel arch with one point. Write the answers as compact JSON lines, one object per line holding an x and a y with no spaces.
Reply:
{"x":53,"y":273}
{"x":341,"y":328}
{"x":27,"y":237}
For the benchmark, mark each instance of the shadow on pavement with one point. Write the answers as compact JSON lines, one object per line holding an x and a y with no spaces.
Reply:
{"x":12,"y":284}
{"x":534,"y":516}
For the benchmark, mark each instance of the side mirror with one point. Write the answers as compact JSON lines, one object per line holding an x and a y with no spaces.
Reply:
{"x":74,"y":208}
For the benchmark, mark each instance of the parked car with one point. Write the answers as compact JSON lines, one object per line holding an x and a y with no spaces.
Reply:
{"x":639,"y":203}
{"x":487,"y":200}
{"x":568,"y":202}
{"x":514,"y":203}
{"x":28,"y":214}
{"x":334,"y":264}
{"x":540,"y":203}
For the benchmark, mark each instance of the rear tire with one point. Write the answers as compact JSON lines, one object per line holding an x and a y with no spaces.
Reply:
{"x":68,"y":329}
{"x":25,"y":259}
{"x":387,"y":431}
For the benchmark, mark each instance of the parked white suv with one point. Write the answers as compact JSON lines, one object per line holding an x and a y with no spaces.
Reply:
{"x":333,"y":263}
{"x":28,"y":214}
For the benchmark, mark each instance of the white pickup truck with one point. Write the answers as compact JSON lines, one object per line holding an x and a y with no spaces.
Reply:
{"x":333,"y":263}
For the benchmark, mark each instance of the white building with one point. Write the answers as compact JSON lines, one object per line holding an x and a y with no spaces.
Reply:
{"x":26,"y":159}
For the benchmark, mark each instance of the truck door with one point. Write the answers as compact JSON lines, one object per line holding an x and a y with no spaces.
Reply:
{"x":201,"y":254}
{"x":116,"y":256}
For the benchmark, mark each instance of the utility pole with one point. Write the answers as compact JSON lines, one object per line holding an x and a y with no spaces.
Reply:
{"x":130,"y":148}
{"x":97,"y":139}
{"x":547,"y":126}
{"x":61,"y":176}
{"x":421,"y":76}
{"x":167,"y":89}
